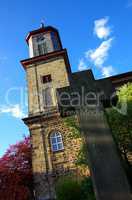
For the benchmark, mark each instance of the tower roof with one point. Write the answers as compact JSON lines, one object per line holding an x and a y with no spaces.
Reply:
{"x":41,"y":30}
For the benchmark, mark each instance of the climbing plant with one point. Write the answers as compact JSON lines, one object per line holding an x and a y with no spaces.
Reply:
{"x":71,"y":122}
{"x":120,"y":121}
{"x":69,"y":188}
{"x":75,"y":133}
{"x":82,"y":158}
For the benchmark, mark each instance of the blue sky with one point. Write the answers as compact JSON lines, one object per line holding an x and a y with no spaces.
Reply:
{"x":97,"y":34}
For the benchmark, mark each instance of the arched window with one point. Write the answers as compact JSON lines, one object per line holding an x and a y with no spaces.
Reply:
{"x":56,"y":141}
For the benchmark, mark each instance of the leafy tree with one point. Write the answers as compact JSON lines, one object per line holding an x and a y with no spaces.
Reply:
{"x":120,"y":130}
{"x":16,"y":173}
{"x":125,"y":96}
{"x":121,"y":125}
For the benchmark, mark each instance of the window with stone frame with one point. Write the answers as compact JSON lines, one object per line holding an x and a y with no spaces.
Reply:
{"x":46,"y":78}
{"x":56,"y":141}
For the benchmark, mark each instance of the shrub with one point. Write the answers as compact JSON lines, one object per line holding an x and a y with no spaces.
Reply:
{"x":68,"y":189}
{"x":87,"y":192}
{"x":121,"y":126}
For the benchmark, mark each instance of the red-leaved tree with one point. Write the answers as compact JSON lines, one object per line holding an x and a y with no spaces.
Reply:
{"x":16,"y":173}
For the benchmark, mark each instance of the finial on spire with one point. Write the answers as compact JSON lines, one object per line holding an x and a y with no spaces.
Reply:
{"x":42,"y":23}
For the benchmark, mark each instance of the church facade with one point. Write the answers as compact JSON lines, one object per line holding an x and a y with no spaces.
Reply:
{"x":53,"y":94}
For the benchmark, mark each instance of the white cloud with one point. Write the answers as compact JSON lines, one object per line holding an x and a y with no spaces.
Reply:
{"x":82,"y":65}
{"x":107,"y":71}
{"x":100,"y":54}
{"x":14,"y":111}
{"x":101,"y":28}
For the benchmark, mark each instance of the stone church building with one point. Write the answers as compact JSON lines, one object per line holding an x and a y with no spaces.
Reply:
{"x":53,"y":94}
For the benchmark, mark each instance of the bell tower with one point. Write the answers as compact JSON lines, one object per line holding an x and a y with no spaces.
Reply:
{"x":47,"y":69}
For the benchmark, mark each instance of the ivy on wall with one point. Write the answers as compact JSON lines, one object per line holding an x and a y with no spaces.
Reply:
{"x":73,"y":124}
{"x":121,"y":126}
{"x":82,"y":158}
{"x":120,"y":121}
{"x":75,"y":133}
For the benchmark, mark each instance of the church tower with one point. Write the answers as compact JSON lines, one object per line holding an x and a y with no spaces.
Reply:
{"x":48,"y":69}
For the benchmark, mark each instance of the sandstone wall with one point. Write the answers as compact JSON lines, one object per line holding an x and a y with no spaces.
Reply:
{"x":49,"y":165}
{"x":57,"y":69}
